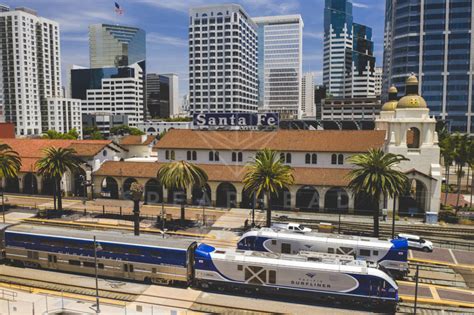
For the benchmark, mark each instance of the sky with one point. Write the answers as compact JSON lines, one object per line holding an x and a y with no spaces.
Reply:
{"x":166,"y":25}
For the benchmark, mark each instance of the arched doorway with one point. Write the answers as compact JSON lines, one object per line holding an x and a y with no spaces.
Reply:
{"x":413,"y":138}
{"x":126,"y":186}
{"x":153,"y":191}
{"x":307,"y":198}
{"x":198,"y":194}
{"x":414,"y":201}
{"x":363,"y":204}
{"x":226,"y":195}
{"x":281,"y":200}
{"x":12,"y":185}
{"x":48,"y":186}
{"x":78,"y":182}
{"x":176,"y":196}
{"x":336,"y":200}
{"x":30,"y":184}
{"x":109,"y":188}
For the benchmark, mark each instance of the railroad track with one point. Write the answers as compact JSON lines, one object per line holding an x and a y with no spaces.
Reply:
{"x":32,"y":285}
{"x":458,"y":280}
{"x":425,"y":309}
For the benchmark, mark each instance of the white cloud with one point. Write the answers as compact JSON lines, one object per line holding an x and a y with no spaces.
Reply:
{"x":74,"y":38}
{"x":160,"y":39}
{"x":360,"y":5}
{"x":309,"y":34}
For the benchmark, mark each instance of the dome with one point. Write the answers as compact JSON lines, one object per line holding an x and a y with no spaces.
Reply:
{"x":412,"y":99}
{"x":392,"y":102}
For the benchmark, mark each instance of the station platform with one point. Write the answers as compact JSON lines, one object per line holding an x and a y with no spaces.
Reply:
{"x":444,"y":256}
{"x":437,"y":295}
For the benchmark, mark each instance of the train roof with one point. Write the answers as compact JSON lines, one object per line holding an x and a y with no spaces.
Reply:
{"x":105,"y":236}
{"x":319,"y":237}
{"x":292,"y":261}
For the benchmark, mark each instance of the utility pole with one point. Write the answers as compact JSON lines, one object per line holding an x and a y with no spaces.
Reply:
{"x":393,"y":215}
{"x":416,"y":288}
{"x":97,"y":310}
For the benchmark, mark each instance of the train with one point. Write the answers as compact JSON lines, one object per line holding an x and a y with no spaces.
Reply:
{"x":390,"y":255}
{"x":183,"y":261}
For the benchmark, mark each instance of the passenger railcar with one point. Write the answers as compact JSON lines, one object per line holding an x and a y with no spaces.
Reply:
{"x":323,"y":278}
{"x":390,"y":255}
{"x":119,"y":255}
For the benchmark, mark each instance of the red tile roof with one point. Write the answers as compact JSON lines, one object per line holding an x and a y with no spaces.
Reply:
{"x":136,"y":140}
{"x":281,"y":140}
{"x":226,"y":173}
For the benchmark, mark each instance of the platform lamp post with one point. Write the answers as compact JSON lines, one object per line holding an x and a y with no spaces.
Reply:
{"x":393,"y":215}
{"x":3,"y":204}
{"x":97,"y":248}
{"x":136,"y":193}
{"x":253,"y":208}
{"x":204,"y":190}
{"x":416,"y":288}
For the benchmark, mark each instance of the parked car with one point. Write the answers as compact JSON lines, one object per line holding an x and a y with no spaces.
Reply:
{"x":293,"y":227}
{"x":417,"y":243}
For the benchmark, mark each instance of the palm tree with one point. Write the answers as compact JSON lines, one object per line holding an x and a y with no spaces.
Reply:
{"x":54,"y":164}
{"x":267,"y":175}
{"x":447,"y":152}
{"x":136,"y":193}
{"x":470,"y":164}
{"x":376,"y":176}
{"x":461,"y":155}
{"x":181,"y":175}
{"x":10,"y":164}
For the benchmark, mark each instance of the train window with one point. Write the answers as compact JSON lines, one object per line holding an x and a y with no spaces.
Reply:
{"x":125,"y":268}
{"x":32,"y":255}
{"x":88,"y":264}
{"x":271,"y":276}
{"x":240,"y":267}
{"x":364,"y":252}
{"x":285,"y":248}
{"x":153,"y":270}
{"x":274,"y":242}
{"x":75,"y":262}
{"x":220,"y":251}
{"x":100,"y":266}
{"x":131,"y":268}
{"x":52,"y":258}
{"x":330,"y":250}
{"x":376,"y":252}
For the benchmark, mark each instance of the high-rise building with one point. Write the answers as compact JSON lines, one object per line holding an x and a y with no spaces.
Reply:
{"x":378,"y":80}
{"x":435,"y":41}
{"x":280,"y":63}
{"x":115,"y":45}
{"x":162,"y":95}
{"x":308,"y":106}
{"x":31,"y":69}
{"x":64,"y":114}
{"x":110,"y":91}
{"x":222,"y":60}
{"x":348,"y":53}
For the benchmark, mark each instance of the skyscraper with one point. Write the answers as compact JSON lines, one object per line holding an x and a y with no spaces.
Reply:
{"x":280,"y":60}
{"x":31,"y":69}
{"x":222,"y":60}
{"x":308,"y":106}
{"x":162,"y":94}
{"x":378,"y":80}
{"x":435,"y":41}
{"x":348,"y":53}
{"x":115,"y":45}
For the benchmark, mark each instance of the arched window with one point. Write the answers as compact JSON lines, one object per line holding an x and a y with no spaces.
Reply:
{"x":216,"y":156}
{"x":288,"y":158}
{"x":173,"y":157}
{"x":194,"y":156}
{"x":240,"y":157}
{"x":340,"y":159}
{"x":307,"y":158}
{"x":413,"y":138}
{"x":234,"y":157}
{"x":188,"y":155}
{"x":211,"y":156}
{"x":167,"y":155}
{"x":282,"y":157}
{"x":334,"y":159}
{"x":314,"y":158}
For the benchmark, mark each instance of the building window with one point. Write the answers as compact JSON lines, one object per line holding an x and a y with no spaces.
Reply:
{"x":285,"y":158}
{"x":216,"y":156}
{"x":234,"y":157}
{"x":104,"y":153}
{"x":340,"y":159}
{"x":172,"y":155}
{"x":237,"y":157}
{"x":240,"y":157}
{"x":194,"y":156}
{"x":314,"y":158}
{"x":307,"y":158}
{"x":167,"y":155}
{"x":188,"y":155}
{"x":211,"y":156}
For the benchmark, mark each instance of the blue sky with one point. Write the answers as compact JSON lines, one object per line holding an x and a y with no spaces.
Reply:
{"x":166,"y":24}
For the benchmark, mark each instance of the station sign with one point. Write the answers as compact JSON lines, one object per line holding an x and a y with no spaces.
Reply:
{"x":236,"y":119}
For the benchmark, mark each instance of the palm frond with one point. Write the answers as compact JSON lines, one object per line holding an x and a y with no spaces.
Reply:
{"x":181,"y":175}
{"x":57,"y":161}
{"x":10,"y":162}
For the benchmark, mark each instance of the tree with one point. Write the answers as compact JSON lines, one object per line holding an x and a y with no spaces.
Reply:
{"x":54,"y":164}
{"x":182,"y":175}
{"x":92,"y":133}
{"x":447,"y":152}
{"x":136,"y":193}
{"x":53,"y":134}
{"x":126,"y":130}
{"x":267,"y":175}
{"x":461,"y":155}
{"x":470,"y":164}
{"x":10,"y":162}
{"x":376,"y":176}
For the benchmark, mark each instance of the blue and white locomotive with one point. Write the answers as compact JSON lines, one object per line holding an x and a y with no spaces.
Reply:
{"x":390,"y":255}
{"x":178,"y":260}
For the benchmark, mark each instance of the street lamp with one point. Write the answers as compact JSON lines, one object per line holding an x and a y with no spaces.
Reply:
{"x":253,"y":208}
{"x":3,"y":205}
{"x":393,"y":215}
{"x":203,"y":200}
{"x":97,"y":247}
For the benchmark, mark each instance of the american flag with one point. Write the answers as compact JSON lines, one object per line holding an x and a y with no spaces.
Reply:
{"x":118,"y":9}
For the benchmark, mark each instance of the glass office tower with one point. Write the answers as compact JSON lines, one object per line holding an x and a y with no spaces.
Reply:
{"x":349,"y":64}
{"x":280,"y":64}
{"x":434,"y":40}
{"x":115,"y":45}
